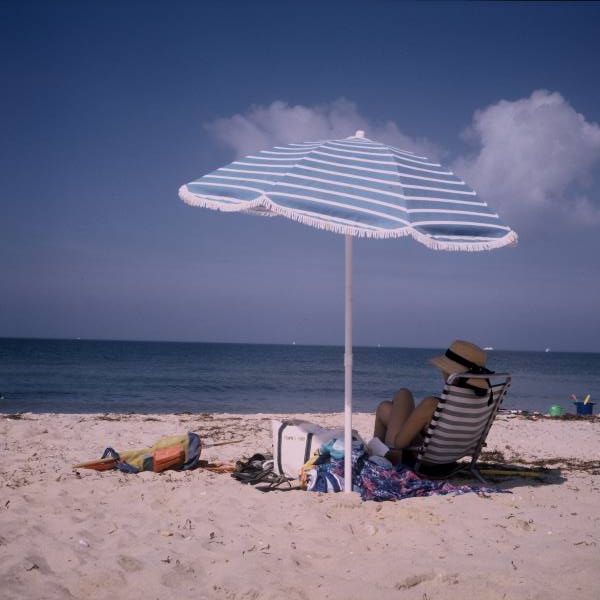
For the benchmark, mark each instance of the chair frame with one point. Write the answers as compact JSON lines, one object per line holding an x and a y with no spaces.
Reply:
{"x":472,"y":467}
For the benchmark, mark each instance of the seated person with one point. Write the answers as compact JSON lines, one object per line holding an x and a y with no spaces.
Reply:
{"x":400,"y":424}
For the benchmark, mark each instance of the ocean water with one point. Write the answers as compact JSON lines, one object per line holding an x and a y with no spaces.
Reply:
{"x":165,"y":377}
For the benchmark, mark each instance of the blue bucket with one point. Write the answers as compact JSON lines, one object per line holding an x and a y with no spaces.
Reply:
{"x":584,"y":409}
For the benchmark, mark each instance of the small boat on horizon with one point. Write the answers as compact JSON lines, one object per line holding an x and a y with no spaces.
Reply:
{"x":488,"y":348}
{"x":547,"y":350}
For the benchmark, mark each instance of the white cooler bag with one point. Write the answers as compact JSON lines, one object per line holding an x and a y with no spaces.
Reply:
{"x":295,"y":441}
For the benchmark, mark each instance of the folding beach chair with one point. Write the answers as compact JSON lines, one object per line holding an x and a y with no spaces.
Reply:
{"x":460,"y":424}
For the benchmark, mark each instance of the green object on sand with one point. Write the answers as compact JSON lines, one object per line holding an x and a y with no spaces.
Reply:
{"x":556,"y":410}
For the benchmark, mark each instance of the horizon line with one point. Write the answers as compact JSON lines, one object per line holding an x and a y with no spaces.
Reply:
{"x":293,"y":343}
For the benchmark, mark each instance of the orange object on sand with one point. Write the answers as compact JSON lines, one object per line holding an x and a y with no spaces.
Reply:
{"x":170,"y":452}
{"x":164,"y":458}
{"x":101,"y":464}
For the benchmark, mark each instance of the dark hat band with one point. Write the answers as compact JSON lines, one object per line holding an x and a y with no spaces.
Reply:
{"x":473,"y":368}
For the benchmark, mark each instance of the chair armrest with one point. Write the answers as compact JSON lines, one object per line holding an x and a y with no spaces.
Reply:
{"x":467,"y":375}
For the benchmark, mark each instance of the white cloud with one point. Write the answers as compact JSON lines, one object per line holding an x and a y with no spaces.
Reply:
{"x":534,"y":153}
{"x":280,"y":123}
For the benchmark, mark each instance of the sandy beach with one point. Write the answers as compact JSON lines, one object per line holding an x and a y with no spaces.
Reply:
{"x":84,"y":534}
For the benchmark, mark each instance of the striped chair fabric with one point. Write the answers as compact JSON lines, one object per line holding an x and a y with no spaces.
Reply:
{"x":460,"y":424}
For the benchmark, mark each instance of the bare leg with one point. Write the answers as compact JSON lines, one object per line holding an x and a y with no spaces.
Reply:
{"x":402,"y":407}
{"x":382,"y":418}
{"x":398,"y":423}
{"x":414,"y":423}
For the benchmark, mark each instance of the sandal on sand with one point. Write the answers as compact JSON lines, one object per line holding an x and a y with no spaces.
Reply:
{"x":258,"y":469}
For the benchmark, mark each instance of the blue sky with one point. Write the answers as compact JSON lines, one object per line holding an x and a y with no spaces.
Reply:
{"x":109,"y":107}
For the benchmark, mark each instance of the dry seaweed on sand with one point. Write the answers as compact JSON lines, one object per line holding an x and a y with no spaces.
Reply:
{"x":535,"y":415}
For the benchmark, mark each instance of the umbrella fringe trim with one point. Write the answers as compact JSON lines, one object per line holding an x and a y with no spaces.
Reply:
{"x":510,"y":239}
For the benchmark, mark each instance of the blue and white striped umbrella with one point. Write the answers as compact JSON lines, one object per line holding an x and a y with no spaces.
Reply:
{"x":356,"y":187}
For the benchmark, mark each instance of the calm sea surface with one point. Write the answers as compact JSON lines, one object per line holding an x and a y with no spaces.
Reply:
{"x":102,"y":376}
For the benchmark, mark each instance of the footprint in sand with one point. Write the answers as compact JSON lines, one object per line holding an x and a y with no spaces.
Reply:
{"x":35,"y":562}
{"x":180,"y":575}
{"x":414,"y":580}
{"x":129,"y":563}
{"x":524,"y":525}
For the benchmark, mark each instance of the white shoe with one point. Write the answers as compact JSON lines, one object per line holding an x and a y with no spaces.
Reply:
{"x":376,"y":447}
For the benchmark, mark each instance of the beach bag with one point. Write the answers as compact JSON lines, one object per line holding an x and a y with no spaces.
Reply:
{"x":295,"y":441}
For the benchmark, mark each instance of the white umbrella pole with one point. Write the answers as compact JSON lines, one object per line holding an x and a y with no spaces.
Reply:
{"x":348,"y":371}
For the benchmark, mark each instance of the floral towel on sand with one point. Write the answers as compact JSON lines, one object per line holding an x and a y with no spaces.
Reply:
{"x":377,"y":483}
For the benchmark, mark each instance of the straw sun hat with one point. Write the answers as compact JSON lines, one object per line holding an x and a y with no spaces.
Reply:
{"x":464,"y":357}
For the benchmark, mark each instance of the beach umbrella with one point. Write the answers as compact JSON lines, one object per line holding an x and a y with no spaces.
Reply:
{"x":355,"y":187}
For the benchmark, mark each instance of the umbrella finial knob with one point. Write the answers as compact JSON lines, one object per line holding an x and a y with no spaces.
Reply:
{"x":359,"y":134}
